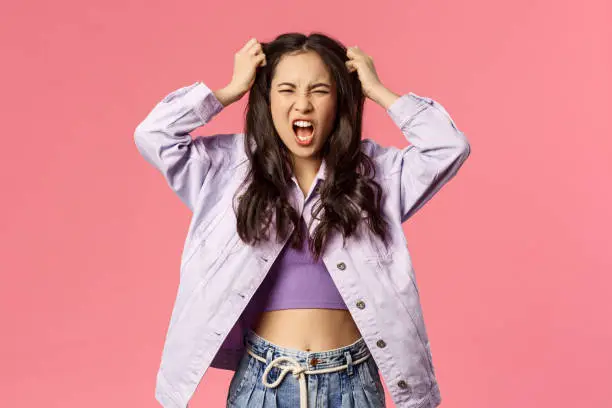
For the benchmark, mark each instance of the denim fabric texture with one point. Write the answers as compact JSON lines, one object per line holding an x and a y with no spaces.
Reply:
{"x":356,"y":383}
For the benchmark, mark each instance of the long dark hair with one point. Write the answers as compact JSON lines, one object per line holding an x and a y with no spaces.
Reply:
{"x":348,"y":194}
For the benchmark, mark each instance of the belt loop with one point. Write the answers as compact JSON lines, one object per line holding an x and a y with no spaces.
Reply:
{"x":349,"y":362}
{"x":271,"y":374}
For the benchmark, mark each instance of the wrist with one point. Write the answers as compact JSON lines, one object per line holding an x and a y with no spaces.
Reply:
{"x":383,"y":96}
{"x":228,"y":95}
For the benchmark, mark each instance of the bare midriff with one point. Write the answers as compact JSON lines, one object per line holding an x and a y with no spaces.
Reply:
{"x":308,"y":329}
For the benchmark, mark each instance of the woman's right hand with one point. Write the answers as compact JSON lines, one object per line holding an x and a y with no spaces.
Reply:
{"x":246,"y":61}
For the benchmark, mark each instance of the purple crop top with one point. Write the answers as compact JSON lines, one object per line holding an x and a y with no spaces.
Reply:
{"x":296,"y":281}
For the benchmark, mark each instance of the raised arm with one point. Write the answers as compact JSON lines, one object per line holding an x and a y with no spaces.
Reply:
{"x":436,"y":152}
{"x":164,"y":139}
{"x":437,"y":148}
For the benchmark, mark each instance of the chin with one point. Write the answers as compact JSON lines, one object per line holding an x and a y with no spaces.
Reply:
{"x":305,"y":152}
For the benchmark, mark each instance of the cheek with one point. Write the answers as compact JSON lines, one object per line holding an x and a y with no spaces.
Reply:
{"x":276,"y":107}
{"x":278,"y":118}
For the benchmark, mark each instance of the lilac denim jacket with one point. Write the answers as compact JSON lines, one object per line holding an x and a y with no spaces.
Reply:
{"x":219,"y":273}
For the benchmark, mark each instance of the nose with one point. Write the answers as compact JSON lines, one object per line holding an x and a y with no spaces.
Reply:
{"x":302,"y":102}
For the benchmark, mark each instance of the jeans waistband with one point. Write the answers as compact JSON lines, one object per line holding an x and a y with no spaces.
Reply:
{"x":301,"y":363}
{"x":311,"y":360}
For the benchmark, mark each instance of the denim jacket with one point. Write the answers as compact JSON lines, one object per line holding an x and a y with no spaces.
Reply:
{"x":219,"y":273}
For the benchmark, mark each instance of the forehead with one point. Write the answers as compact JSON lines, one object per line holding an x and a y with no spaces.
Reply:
{"x":301,"y":69}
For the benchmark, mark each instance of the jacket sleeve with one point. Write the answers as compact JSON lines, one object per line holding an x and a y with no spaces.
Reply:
{"x":436,"y":152}
{"x":163,"y":138}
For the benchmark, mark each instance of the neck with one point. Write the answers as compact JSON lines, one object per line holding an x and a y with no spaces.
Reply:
{"x":305,"y":171}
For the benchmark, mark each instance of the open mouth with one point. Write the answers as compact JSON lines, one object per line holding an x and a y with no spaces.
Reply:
{"x":304,"y":132}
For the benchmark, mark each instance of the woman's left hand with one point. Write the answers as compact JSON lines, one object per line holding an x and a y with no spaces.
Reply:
{"x":364,"y":65}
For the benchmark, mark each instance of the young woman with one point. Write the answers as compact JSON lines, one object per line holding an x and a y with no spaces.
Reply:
{"x":296,"y":262}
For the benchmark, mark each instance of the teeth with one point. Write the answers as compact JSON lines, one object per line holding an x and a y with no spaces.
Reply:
{"x":304,"y":124}
{"x":303,"y":139}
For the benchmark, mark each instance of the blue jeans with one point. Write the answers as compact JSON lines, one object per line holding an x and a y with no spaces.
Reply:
{"x":272,"y":376}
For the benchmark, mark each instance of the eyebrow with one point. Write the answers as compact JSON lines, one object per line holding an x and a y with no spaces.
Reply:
{"x":310,"y":87}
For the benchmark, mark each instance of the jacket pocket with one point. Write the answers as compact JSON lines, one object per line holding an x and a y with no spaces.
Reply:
{"x":376,"y":248}
{"x":203,"y":231}
{"x":208,"y":269}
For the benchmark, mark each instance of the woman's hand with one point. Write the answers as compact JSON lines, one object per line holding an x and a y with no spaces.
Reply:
{"x":364,"y":65}
{"x":246,"y":61}
{"x":370,"y":83}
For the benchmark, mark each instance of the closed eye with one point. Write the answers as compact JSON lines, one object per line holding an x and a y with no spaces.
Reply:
{"x":289,"y":90}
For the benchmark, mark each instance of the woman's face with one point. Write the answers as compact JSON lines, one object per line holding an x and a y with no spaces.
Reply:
{"x":302,"y":88}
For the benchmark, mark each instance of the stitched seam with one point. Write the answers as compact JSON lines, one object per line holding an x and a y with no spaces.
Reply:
{"x":423,"y":106}
{"x":174,"y":394}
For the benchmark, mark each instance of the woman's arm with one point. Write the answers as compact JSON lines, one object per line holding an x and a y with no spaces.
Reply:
{"x":164,"y":139}
{"x":437,"y":148}
{"x":436,"y":152}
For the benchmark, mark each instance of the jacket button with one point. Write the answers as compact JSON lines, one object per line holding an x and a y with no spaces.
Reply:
{"x":360,"y":304}
{"x":402,"y":384}
{"x":381,"y":343}
{"x":341,"y":266}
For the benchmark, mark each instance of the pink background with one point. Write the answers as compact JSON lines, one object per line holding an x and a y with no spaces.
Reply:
{"x":512,"y":256}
